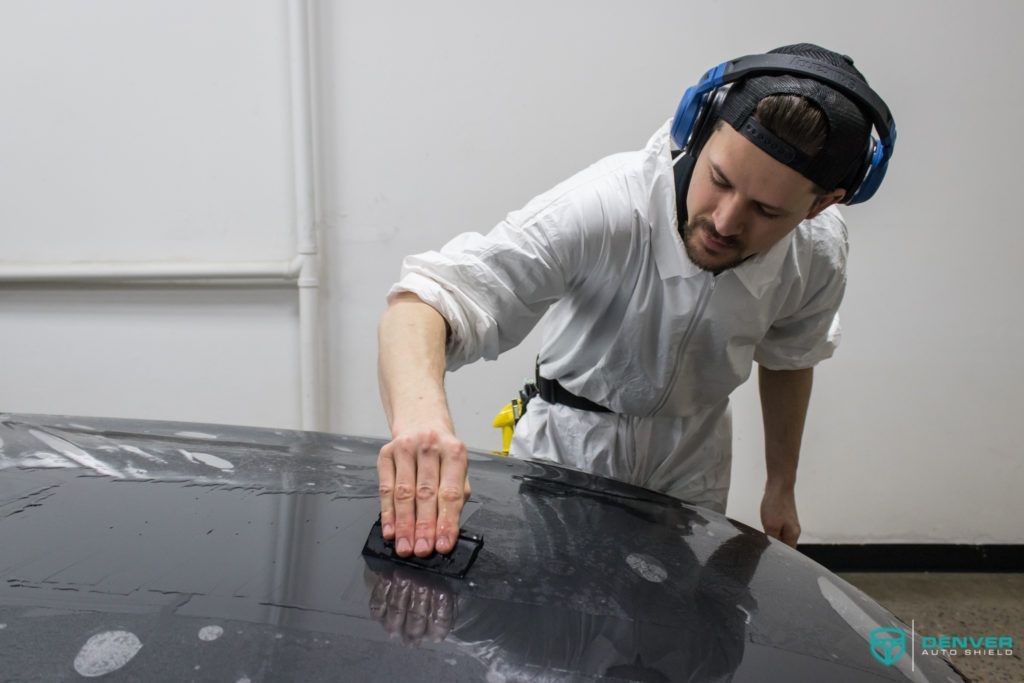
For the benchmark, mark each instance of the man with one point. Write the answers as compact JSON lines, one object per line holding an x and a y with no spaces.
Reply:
{"x":667,"y":273}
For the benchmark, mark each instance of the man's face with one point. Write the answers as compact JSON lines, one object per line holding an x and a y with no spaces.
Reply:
{"x":741,"y":202}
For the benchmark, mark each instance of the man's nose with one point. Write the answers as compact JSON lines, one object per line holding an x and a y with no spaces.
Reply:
{"x":728,"y":217}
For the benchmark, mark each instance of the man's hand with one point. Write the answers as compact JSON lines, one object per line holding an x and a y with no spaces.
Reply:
{"x":423,"y":486}
{"x":778,"y":515}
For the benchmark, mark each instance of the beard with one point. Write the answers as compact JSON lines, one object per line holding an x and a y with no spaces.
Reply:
{"x":715,"y":261}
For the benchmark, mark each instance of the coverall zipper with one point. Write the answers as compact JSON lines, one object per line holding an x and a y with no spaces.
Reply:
{"x":702,"y":301}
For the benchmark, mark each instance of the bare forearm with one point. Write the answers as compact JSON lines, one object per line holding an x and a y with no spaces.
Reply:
{"x":422,"y":470}
{"x":411,"y":364}
{"x":785,"y":395}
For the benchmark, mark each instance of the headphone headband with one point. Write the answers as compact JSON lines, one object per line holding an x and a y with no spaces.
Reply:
{"x":795,"y":65}
{"x":697,"y":97}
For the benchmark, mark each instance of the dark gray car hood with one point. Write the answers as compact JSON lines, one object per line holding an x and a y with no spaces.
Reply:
{"x":153,"y":550}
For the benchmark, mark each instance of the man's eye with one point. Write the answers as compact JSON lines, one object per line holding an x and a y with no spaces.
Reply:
{"x":718,"y":182}
{"x":766,"y":213}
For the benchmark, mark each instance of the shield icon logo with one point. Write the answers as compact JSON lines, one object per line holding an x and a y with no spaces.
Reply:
{"x":888,"y":644}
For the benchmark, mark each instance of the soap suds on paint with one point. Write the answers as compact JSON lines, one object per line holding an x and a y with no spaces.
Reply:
{"x":106,"y":652}
{"x":647,"y":567}
{"x":45,"y":460}
{"x":209,"y":633}
{"x":138,"y":451}
{"x":207,"y":459}
{"x":73,"y":452}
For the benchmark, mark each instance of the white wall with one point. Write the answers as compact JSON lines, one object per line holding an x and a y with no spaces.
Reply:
{"x":152,"y":131}
{"x":135,"y":129}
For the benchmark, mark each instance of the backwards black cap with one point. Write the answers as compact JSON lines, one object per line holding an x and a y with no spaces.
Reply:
{"x":842,"y":159}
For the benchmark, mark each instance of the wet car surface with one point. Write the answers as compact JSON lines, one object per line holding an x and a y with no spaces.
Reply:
{"x":142,"y":550}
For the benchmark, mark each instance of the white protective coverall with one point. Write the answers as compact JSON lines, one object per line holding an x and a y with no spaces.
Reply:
{"x":634,"y":325}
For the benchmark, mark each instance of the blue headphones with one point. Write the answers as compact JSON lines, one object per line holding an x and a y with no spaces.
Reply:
{"x":702,"y":102}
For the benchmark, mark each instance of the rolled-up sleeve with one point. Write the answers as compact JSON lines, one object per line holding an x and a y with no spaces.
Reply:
{"x":812,"y":332}
{"x":493,"y":289}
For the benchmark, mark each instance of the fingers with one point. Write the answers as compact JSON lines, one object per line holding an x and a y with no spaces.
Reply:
{"x":386,"y":479}
{"x":423,"y":486}
{"x":786,"y":531}
{"x":396,"y":474}
{"x":790,"y":534}
{"x":427,"y":477}
{"x":403,"y":494}
{"x":452,"y":494}
{"x":779,"y":516}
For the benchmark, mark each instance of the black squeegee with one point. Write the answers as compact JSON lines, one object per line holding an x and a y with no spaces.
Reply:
{"x":456,"y":563}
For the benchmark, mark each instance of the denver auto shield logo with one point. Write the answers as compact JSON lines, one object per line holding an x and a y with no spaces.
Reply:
{"x":888,"y":644}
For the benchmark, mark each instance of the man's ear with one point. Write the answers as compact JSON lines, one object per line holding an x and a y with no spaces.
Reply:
{"x":824,"y":201}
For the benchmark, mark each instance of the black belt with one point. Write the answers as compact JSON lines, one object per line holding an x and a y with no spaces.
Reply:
{"x":553,"y":392}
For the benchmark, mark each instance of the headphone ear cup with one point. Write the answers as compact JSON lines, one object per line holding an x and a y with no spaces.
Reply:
{"x":694,"y":101}
{"x":692,"y":118}
{"x":855,"y":183}
{"x":688,"y":112}
{"x":706,"y":119}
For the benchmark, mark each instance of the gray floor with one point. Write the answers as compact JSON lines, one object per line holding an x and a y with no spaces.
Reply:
{"x":958,"y":604}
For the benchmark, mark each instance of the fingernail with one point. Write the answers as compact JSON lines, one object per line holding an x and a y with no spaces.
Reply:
{"x":421,"y":545}
{"x":388,"y":530}
{"x":403,"y":546}
{"x":443,"y":544}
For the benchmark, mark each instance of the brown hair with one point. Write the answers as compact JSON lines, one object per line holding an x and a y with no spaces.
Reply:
{"x":796,"y":120}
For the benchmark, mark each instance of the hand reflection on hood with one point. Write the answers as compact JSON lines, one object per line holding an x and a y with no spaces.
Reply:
{"x":412,"y":605}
